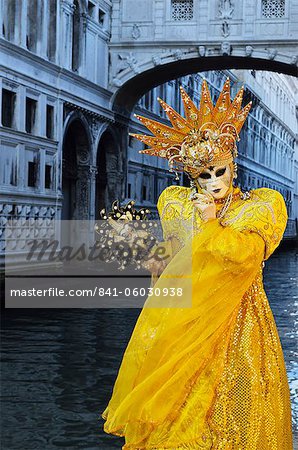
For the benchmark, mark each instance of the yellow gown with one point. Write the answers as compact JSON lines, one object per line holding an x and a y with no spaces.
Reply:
{"x":209,"y":376}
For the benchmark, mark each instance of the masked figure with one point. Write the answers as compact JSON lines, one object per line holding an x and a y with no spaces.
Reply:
{"x":209,"y":376}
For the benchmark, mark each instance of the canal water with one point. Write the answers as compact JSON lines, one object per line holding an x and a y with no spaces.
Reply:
{"x":59,"y":366}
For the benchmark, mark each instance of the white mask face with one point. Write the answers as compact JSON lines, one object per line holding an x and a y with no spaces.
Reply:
{"x":216,"y":180}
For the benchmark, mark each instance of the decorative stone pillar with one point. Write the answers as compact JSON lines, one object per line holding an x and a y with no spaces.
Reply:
{"x":82,"y":194}
{"x":93,"y":170}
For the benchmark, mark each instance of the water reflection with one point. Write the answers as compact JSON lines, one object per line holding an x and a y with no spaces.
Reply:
{"x":59,"y":366}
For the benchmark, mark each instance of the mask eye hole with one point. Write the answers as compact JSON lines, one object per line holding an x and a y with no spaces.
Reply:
{"x":220,"y":172}
{"x":205,"y":175}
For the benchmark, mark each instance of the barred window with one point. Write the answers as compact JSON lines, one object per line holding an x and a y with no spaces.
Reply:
{"x":182,"y":9}
{"x":273,"y":9}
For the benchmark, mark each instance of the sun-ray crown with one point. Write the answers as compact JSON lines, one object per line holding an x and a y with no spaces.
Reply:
{"x":207,"y":134}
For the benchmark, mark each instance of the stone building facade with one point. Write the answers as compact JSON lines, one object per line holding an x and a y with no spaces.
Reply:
{"x":65,"y":152}
{"x":57,"y":127}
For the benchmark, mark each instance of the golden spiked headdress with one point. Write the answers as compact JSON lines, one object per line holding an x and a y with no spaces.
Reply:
{"x":206,"y":136}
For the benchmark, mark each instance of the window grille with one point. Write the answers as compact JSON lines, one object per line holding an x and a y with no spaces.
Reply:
{"x":273,"y":9}
{"x":182,"y":10}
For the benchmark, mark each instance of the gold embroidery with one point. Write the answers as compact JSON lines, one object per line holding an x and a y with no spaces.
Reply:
{"x":264,"y":213}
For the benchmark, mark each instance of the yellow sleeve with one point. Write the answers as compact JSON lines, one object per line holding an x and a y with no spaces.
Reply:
{"x":175,"y":215}
{"x":235,"y":250}
{"x":167,"y":211}
{"x":165,"y":214}
{"x":265,"y":214}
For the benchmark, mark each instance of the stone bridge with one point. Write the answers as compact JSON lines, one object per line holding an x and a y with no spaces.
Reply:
{"x":153,"y":41}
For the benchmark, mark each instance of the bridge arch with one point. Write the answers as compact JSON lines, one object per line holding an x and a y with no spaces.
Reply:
{"x":132,"y":83}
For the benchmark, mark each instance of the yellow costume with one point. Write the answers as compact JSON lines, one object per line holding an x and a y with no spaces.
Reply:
{"x":209,"y":376}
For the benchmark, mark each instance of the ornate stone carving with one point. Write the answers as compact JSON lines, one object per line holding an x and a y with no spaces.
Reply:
{"x":116,"y":82}
{"x":68,"y":6}
{"x":84,"y":192}
{"x":226,"y":48}
{"x":294,"y":60}
{"x":136,"y":32}
{"x":225,"y":29}
{"x":21,"y":223}
{"x":272,"y":52}
{"x":126,"y":61}
{"x":178,"y":54}
{"x":211,"y":52}
{"x":156,"y":59}
{"x":93,"y":171}
{"x":202,"y":50}
{"x":95,"y":128}
{"x":225,"y":9}
{"x":248,"y":50}
{"x":83,"y":156}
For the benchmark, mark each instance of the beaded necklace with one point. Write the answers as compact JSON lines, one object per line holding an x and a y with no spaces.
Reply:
{"x":235,"y":194}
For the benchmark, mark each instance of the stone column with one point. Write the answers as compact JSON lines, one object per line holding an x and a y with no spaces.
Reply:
{"x":58,"y":135}
{"x":65,"y":55}
{"x":20,"y":111}
{"x":42,"y":115}
{"x":21,"y":23}
{"x":22,"y":168}
{"x":82,"y":44}
{"x":113,"y":188}
{"x":123,"y":160}
{"x":42,"y":31}
{"x":93,"y":172}
{"x":42,"y":160}
{"x":115,"y":19}
{"x":80,"y":228}
{"x":159,"y":19}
